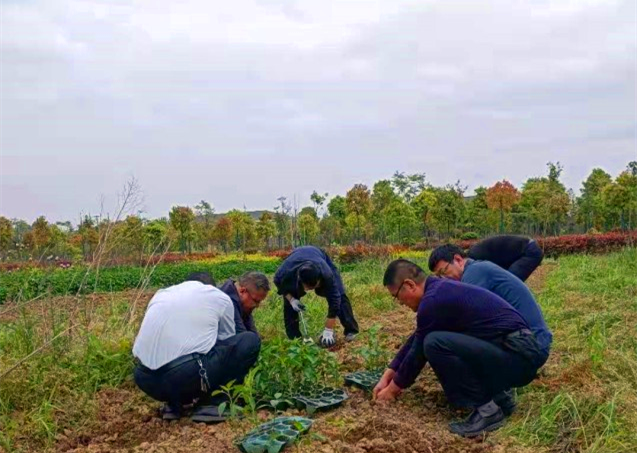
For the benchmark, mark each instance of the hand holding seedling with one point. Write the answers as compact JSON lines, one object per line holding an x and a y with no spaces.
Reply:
{"x":389,"y":393}
{"x":385,"y":380}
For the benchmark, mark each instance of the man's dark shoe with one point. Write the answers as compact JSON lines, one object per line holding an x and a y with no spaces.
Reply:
{"x":170,"y":413}
{"x":476,"y":424}
{"x":207,"y":414}
{"x":506,"y":401}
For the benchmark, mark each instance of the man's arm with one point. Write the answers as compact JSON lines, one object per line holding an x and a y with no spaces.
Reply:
{"x":402,"y":353}
{"x":412,"y":364}
{"x":330,"y":289}
{"x":239,"y":327}
{"x":250,"y":326}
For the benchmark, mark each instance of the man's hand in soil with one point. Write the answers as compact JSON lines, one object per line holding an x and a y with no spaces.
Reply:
{"x":389,"y":393}
{"x":388,"y":375}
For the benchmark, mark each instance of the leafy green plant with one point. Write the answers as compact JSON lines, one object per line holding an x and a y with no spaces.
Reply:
{"x":373,"y":354}
{"x":291,"y":367}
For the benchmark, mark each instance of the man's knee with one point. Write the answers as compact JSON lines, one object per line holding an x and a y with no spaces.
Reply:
{"x":249,"y":342}
{"x":435,"y":341}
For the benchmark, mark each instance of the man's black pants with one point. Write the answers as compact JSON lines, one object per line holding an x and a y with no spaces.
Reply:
{"x":229,"y":359}
{"x":472,"y":371}
{"x":527,"y":263}
{"x":345,"y":315}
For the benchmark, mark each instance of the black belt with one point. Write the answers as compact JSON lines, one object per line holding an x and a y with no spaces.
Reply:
{"x":170,"y":365}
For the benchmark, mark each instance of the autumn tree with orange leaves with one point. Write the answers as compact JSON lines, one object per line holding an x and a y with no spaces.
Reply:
{"x":502,"y":196}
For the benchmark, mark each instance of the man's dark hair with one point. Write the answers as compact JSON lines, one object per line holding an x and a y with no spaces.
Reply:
{"x":401,"y":269}
{"x":203,"y":277}
{"x":444,"y":253}
{"x":256,"y":279}
{"x":309,"y":274}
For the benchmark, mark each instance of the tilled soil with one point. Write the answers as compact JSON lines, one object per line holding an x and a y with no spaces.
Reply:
{"x":129,"y":422}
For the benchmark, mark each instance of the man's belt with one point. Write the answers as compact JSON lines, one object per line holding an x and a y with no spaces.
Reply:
{"x":170,"y":365}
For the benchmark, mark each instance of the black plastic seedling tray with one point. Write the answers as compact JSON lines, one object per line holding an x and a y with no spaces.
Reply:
{"x":320,"y":399}
{"x":364,"y":379}
{"x":275,"y":435}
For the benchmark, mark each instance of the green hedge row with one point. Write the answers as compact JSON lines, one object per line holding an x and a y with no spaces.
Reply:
{"x":29,"y":283}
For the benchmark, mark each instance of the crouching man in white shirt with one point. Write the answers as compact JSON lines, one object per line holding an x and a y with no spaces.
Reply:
{"x":187,"y":348}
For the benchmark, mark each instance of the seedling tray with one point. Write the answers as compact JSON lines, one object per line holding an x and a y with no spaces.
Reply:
{"x":275,"y":435}
{"x":320,"y":399}
{"x":364,"y":379}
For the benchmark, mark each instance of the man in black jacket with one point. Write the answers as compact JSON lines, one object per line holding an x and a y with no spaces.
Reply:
{"x":309,"y":268}
{"x":519,"y":255}
{"x":246,"y":294}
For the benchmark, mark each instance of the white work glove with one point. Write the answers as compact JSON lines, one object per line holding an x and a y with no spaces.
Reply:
{"x":297,"y":306}
{"x":327,"y":338}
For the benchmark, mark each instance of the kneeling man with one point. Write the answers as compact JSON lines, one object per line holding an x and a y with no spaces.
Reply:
{"x":187,"y":347}
{"x":477,"y":344}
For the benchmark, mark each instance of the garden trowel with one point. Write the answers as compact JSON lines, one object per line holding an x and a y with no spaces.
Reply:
{"x":306,"y":337}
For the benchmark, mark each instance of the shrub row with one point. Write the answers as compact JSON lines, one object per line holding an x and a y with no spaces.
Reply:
{"x":29,"y":283}
{"x":555,"y":246}
{"x":170,"y":257}
{"x":587,"y":243}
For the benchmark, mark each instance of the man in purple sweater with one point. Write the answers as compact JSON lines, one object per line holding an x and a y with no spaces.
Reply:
{"x":476,"y":343}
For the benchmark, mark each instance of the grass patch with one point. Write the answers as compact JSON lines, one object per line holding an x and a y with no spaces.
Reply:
{"x":586,"y":399}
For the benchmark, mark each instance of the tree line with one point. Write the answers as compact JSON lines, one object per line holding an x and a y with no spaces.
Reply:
{"x":404,"y":209}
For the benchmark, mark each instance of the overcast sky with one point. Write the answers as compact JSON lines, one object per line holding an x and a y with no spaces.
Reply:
{"x":239,"y":102}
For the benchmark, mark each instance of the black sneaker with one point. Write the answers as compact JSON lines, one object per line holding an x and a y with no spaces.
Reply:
{"x":207,"y":414}
{"x":506,"y":401}
{"x":476,"y":424}
{"x":170,"y":413}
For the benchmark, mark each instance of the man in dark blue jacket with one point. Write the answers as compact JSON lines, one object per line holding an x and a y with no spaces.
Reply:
{"x":476,"y":343}
{"x":309,"y":268}
{"x":246,"y":294}
{"x":520,"y":255}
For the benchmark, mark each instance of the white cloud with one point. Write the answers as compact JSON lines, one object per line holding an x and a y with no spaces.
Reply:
{"x":239,"y":102}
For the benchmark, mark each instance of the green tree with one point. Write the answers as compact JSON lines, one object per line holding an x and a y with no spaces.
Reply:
{"x":334,"y":227}
{"x":382,"y":197}
{"x":358,"y":206}
{"x":408,"y":186}
{"x":309,"y":228}
{"x":401,"y":221}
{"x":243,"y":228}
{"x":591,"y":208}
{"x":204,"y":225}
{"x":222,"y":232}
{"x":41,"y":235}
{"x":182,"y":219}
{"x":88,"y":236}
{"x":318,"y":200}
{"x":133,"y":236}
{"x":6,"y":236}
{"x":501,"y":197}
{"x":266,"y":228}
{"x":480,"y":219}
{"x":282,"y":221}
{"x":156,"y":236}
{"x":449,"y":208}
{"x":545,"y":202}
{"x":424,"y":206}
{"x":628,"y":181}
